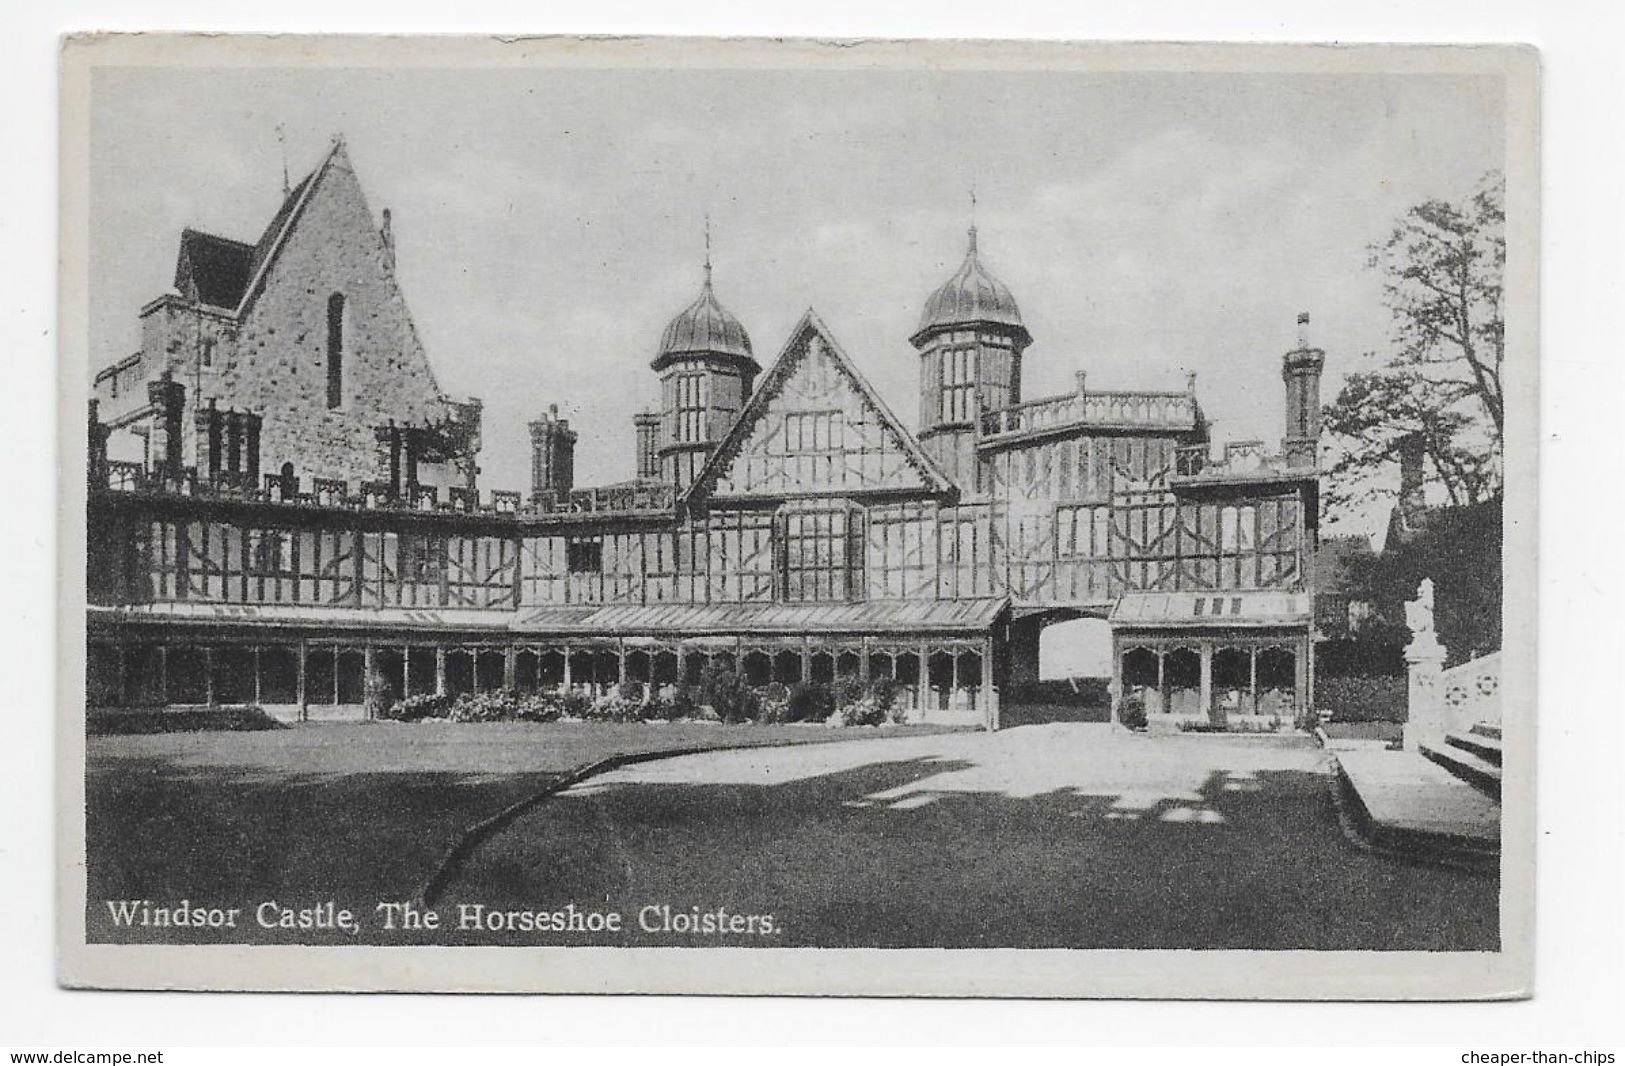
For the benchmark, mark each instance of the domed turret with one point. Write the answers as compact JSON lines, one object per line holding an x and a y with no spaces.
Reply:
{"x":971,"y":297}
{"x":704,"y":326}
{"x":706,"y":373}
{"x":970,"y":341}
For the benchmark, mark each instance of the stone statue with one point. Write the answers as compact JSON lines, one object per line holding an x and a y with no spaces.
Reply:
{"x":1419,"y":612}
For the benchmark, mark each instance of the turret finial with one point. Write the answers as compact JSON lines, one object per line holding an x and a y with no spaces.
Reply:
{"x":972,"y":248}
{"x":708,"y":249}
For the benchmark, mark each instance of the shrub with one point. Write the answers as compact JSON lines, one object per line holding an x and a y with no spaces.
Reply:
{"x":500,"y":705}
{"x":1235,"y":725}
{"x":670,"y":703}
{"x":613,"y":707}
{"x":874,"y":703}
{"x":774,"y":704}
{"x":216,"y":719}
{"x":846,"y":692}
{"x":862,"y":712}
{"x":573,"y":703}
{"x":417,"y":708}
{"x":809,"y":702}
{"x":1367,"y":698}
{"x":723,"y":689}
{"x":885,"y":692}
{"x":1131,"y":712}
{"x":539,"y":707}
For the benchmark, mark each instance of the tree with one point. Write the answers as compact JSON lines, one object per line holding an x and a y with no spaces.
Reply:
{"x":1442,"y":266}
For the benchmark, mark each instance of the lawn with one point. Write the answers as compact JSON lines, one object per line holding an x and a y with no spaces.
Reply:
{"x":353,"y":812}
{"x":1067,"y":835}
{"x":1049,"y":836}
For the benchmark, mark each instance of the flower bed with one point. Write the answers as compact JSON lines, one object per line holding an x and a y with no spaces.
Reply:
{"x":722,"y":695}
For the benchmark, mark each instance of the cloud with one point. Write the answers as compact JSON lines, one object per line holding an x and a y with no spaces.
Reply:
{"x":549,"y":222}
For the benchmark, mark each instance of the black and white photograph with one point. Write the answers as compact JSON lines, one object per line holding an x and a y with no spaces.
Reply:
{"x":702,"y":516}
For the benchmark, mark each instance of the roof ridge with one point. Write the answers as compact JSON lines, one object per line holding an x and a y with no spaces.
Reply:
{"x":194,"y":231}
{"x":282,"y":222}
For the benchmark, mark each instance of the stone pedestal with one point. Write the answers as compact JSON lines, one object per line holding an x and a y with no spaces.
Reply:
{"x":1424,"y":661}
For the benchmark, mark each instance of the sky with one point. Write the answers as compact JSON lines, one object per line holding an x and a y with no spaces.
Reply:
{"x":549,"y":223}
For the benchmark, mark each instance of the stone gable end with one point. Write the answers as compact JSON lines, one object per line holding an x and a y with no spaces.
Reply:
{"x":279,"y":366}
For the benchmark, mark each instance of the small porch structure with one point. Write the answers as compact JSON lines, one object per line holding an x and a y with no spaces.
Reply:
{"x":1232,"y":659}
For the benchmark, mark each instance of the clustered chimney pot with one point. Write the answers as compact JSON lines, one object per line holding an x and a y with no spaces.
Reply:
{"x":552,"y":456}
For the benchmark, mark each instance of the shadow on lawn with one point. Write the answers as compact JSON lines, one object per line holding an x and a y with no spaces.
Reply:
{"x":225,"y":836}
{"x":876,"y":856}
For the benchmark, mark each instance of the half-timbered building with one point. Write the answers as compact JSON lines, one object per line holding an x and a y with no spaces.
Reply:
{"x":785,"y":520}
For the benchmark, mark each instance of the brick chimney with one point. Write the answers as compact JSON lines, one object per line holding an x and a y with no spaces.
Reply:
{"x":1412,"y":497}
{"x":252,"y":424}
{"x":168,"y":399}
{"x":646,"y":432}
{"x":210,"y":441}
{"x":1300,"y":370}
{"x":96,"y":466}
{"x":389,"y":451}
{"x":552,"y":455}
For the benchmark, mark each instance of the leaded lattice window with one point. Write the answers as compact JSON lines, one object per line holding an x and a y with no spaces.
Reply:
{"x":958,"y":384}
{"x":691,"y":403}
{"x":817,"y":555}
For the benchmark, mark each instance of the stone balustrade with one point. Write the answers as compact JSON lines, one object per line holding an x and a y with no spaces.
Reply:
{"x":1156,"y":410}
{"x":1472,"y":692}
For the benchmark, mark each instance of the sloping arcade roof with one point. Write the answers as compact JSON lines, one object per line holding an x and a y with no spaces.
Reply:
{"x":1235,"y":607}
{"x":296,"y":615}
{"x":673,"y":619}
{"x":702,"y":619}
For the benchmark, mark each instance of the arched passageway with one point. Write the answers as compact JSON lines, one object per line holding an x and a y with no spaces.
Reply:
{"x":1060,"y":671}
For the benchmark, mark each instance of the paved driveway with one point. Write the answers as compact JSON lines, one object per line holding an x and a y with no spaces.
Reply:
{"x":1042,"y":836}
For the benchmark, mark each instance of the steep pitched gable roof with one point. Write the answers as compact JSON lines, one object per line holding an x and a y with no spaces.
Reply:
{"x":276,"y":234}
{"x":789,"y":358}
{"x":213,"y":270}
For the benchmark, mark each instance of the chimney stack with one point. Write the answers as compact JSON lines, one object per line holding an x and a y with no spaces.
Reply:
{"x":1412,"y":497}
{"x":389,"y":450}
{"x":252,"y":423}
{"x":168,"y":399}
{"x":552,"y":456}
{"x":646,"y":432}
{"x":97,"y":466}
{"x":1300,"y":370}
{"x":210,"y":441}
